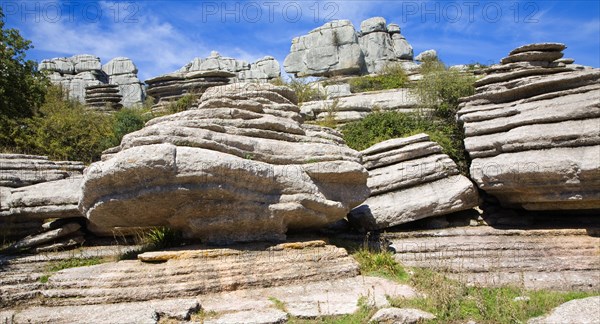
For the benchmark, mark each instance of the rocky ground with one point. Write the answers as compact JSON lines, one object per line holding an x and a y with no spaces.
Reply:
{"x":266,"y":283}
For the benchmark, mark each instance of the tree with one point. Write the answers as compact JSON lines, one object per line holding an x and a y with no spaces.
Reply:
{"x":22,"y":86}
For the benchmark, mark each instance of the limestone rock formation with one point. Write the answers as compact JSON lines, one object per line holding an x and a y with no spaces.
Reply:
{"x":401,"y":316}
{"x":577,"y":311}
{"x":19,"y":170}
{"x":263,"y":70}
{"x":239,"y":167}
{"x":351,"y":107}
{"x":104,"y":97}
{"x":532,"y":132}
{"x":52,"y":199}
{"x":200,"y":74}
{"x":427,"y":55}
{"x":410,"y":179}
{"x":171,"y":87}
{"x":77,"y":73}
{"x":336,"y":48}
{"x":121,"y":71}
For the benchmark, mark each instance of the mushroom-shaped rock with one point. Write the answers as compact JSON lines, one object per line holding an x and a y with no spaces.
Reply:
{"x":239,"y":167}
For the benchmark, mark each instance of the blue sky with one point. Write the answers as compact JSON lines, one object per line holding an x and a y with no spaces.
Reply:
{"x":162,"y":36}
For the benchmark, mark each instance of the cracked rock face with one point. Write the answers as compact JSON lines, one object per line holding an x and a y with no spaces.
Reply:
{"x":410,"y":179}
{"x":532,"y":131}
{"x":239,"y":167}
{"x":336,"y":48}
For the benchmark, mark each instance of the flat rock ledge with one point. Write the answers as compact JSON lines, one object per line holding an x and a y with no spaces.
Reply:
{"x":410,"y":179}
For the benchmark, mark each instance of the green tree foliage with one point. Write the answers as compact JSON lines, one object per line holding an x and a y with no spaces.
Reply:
{"x":128,"y":120}
{"x":392,"y":77}
{"x":22,"y":87}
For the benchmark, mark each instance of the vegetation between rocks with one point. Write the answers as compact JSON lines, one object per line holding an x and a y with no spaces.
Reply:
{"x":392,"y":77}
{"x":56,"y":266}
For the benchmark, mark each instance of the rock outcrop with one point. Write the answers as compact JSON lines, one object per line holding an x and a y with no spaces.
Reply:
{"x":200,"y":74}
{"x":336,"y":48}
{"x":103,"y":97}
{"x":77,"y":73}
{"x":346,"y":108}
{"x":410,"y":179}
{"x":577,"y":311}
{"x":532,"y":131}
{"x":239,"y":167}
{"x":19,"y":170}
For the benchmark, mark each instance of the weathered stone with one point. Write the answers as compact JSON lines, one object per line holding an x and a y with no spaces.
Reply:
{"x":119,"y":65}
{"x":19,"y":170}
{"x":270,"y":316}
{"x":532,"y":56}
{"x":543,"y":47}
{"x":66,"y":244}
{"x":243,"y":147}
{"x":427,"y":55}
{"x":401,"y":316}
{"x":337,"y":90}
{"x":532,"y":132}
{"x":410,"y":179}
{"x":580,"y":311}
{"x":86,"y":62}
{"x":357,"y":106}
{"x":45,"y":237}
{"x":52,"y":199}
{"x":374,"y":24}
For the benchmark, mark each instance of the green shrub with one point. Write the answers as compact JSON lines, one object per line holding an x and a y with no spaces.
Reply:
{"x":128,"y":120}
{"x":303,"y":89}
{"x":392,"y":77}
{"x":182,"y":104}
{"x":441,"y":88}
{"x":162,"y":237}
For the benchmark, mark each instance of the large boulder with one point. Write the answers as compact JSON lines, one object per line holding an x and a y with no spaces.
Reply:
{"x":327,"y":50}
{"x":239,"y":167}
{"x":121,"y":71}
{"x":532,"y":131}
{"x":19,"y":170}
{"x":410,"y":179}
{"x":337,"y":49}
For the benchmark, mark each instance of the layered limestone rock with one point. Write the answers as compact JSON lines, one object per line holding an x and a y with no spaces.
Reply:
{"x":410,"y":179}
{"x":19,"y":170}
{"x":202,"y":73}
{"x":52,"y":199}
{"x":167,"y":89}
{"x":77,"y":73}
{"x":121,"y":71}
{"x":532,"y":131}
{"x":346,"y":108}
{"x":239,"y":167}
{"x":104,"y":97}
{"x":336,"y":48}
{"x":263,"y":70}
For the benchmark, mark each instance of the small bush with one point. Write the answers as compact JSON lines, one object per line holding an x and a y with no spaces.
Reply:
{"x":304,"y":90}
{"x":380,"y":264}
{"x":182,"y":104}
{"x":392,"y":77}
{"x":128,"y":120}
{"x":163,"y":237}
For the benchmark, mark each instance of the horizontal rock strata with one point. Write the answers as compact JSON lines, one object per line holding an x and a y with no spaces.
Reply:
{"x":532,"y":131}
{"x":410,"y":179}
{"x":240,"y":167}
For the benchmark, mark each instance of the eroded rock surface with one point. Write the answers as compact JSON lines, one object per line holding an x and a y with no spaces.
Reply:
{"x":532,"y":131}
{"x":19,"y":170}
{"x":240,"y":167}
{"x":336,"y":48}
{"x":410,"y":179}
{"x":580,"y":311}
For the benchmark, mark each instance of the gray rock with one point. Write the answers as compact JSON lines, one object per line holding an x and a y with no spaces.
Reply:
{"x":65,"y":245}
{"x":393,"y":29}
{"x":580,"y":311}
{"x":242,"y":145}
{"x":543,"y":47}
{"x":401,"y":316}
{"x":532,"y":56}
{"x":377,"y":49}
{"x":337,"y":90}
{"x":415,"y":172}
{"x":119,"y":65}
{"x":427,"y":55}
{"x":402,"y":48}
{"x":86,"y":62}
{"x":19,"y":170}
{"x":374,"y":24}
{"x":35,"y":240}
{"x":532,"y":132}
{"x":269,"y":316}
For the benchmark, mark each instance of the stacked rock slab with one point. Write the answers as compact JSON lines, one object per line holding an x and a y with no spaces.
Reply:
{"x":532,"y":131}
{"x":347,"y":108}
{"x":75,"y":74}
{"x":410,"y":179}
{"x":104,"y":97}
{"x":33,"y":188}
{"x":263,"y":70}
{"x":169,"y":88}
{"x":336,"y":48}
{"x":239,"y":167}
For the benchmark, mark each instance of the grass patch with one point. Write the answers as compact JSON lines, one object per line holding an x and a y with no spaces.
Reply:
{"x":278,"y":304}
{"x":154,"y":239}
{"x":392,"y":77}
{"x":56,"y":266}
{"x":303,"y":89}
{"x":452,"y":301}
{"x":362,"y":315}
{"x":380,"y":264}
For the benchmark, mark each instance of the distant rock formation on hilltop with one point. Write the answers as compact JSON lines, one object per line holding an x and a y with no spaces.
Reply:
{"x":81,"y":75}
